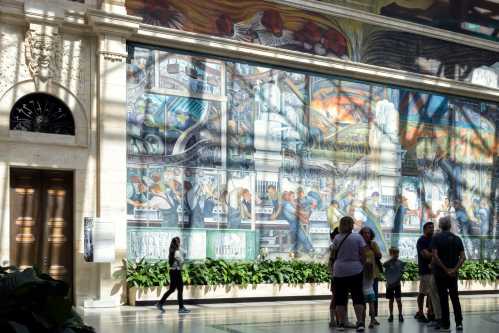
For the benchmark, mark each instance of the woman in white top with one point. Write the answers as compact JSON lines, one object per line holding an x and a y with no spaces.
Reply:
{"x":176,"y":261}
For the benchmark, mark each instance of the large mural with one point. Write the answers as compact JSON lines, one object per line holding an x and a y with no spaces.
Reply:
{"x":244,"y":160}
{"x":277,"y":25}
{"x":473,"y":17}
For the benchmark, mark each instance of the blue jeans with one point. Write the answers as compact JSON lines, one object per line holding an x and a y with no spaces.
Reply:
{"x":299,"y":237}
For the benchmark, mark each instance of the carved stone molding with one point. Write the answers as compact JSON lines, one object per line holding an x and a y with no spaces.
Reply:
{"x":114,"y":56}
{"x":43,"y":51}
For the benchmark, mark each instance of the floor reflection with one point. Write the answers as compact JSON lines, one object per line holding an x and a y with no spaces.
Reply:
{"x":481,"y":314}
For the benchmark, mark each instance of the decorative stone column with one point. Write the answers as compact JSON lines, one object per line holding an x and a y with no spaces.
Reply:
{"x":112,"y":114}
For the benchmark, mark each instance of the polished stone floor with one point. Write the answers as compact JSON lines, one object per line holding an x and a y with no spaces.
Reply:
{"x":481,"y":315}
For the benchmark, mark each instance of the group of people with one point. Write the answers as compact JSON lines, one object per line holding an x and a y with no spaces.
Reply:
{"x":356,"y":268}
{"x":440,"y":256}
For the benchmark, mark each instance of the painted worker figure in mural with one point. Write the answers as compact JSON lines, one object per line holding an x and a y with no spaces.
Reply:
{"x":199,"y":199}
{"x":373,"y":205}
{"x":160,"y":202}
{"x":401,"y":208}
{"x":484,"y":217}
{"x":234,"y":209}
{"x":137,"y":194}
{"x":333,"y":215}
{"x":462,"y":218}
{"x":346,"y":201}
{"x":298,"y":236}
{"x":276,"y":205}
{"x":246,"y":204}
{"x":173,"y":196}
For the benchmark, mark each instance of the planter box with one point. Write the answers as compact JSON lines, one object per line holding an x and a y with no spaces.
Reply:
{"x":272,"y":291}
{"x":231,"y":292}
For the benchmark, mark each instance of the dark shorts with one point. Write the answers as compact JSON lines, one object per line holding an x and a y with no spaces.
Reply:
{"x":352,"y":284}
{"x":394,"y":291}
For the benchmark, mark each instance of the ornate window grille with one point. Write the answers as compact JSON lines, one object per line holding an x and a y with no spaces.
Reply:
{"x":42,"y":113}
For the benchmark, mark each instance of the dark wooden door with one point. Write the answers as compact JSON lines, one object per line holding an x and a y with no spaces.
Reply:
{"x":42,"y":221}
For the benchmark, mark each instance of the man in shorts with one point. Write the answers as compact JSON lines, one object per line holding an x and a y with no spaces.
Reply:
{"x":427,"y":286}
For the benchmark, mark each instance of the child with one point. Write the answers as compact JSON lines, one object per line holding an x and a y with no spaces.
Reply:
{"x":368,"y":290}
{"x":371,"y":272}
{"x":394,"y":268}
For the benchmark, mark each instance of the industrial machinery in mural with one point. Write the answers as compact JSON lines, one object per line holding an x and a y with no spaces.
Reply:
{"x":241,"y":159}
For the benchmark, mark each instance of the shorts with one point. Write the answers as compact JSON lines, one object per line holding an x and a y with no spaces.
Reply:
{"x":369,"y":296}
{"x":346,"y":284}
{"x":394,"y":291}
{"x":425,"y":284}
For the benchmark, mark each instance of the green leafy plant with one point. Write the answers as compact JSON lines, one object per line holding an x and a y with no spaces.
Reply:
{"x":221,"y":272}
{"x":474,"y":270}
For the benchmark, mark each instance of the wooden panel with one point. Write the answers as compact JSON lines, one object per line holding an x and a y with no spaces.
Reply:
{"x":25,"y":224}
{"x":42,"y":221}
{"x":57,"y":255}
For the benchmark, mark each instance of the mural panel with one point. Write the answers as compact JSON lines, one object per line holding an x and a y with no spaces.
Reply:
{"x":282,"y":26}
{"x":266,"y":161}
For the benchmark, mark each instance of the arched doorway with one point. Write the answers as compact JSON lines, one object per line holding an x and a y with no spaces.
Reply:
{"x":41,"y":201}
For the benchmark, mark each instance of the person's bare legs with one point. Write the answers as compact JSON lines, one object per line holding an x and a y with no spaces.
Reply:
{"x":399,"y":306}
{"x":332,"y":312}
{"x":420,"y":301}
{"x":390,"y":309}
{"x":360,"y":312}
{"x":372,"y":314}
{"x":341,"y":313}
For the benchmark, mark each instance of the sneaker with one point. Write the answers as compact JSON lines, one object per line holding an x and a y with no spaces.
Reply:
{"x":361,"y":327}
{"x":340,"y":327}
{"x":401,"y":318}
{"x":422,"y":319}
{"x":459,"y":327}
{"x":350,"y":325}
{"x":159,"y":306}
{"x":183,"y":310}
{"x":375,"y":322}
{"x":445,"y":329}
{"x":332,"y":323}
{"x":390,"y":319}
{"x":371,"y":324}
{"x":436,"y":327}
{"x":417,"y":315}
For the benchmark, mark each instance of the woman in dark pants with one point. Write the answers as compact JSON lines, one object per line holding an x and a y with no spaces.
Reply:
{"x":349,"y":251}
{"x":176,"y":260}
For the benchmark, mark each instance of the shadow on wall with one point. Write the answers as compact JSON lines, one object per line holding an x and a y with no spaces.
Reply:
{"x":419,"y":54}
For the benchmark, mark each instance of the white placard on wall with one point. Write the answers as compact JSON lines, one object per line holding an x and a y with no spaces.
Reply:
{"x":99,"y":240}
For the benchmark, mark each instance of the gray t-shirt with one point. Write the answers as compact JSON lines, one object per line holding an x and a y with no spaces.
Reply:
{"x":393,"y":271}
{"x":348,"y":259}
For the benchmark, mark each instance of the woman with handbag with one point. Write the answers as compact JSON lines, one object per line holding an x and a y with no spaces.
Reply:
{"x":349,"y":257}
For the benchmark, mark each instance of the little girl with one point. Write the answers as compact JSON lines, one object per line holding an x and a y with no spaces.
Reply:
{"x":370,"y":273}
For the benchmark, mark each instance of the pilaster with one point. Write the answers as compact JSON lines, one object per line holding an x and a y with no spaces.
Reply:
{"x":111,"y":138}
